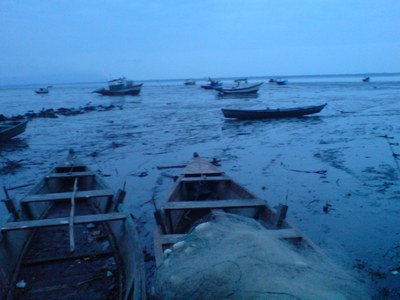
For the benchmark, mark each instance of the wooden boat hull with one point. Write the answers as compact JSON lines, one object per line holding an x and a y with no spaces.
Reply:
{"x":106,"y":261}
{"x":243,"y":114}
{"x":11,"y":129}
{"x":241,"y":90}
{"x":203,"y":188}
{"x":132,"y":91}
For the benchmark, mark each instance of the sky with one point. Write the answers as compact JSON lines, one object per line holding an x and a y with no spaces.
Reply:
{"x":62,"y":41}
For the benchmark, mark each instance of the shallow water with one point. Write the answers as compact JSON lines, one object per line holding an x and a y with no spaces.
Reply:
{"x":275,"y":159}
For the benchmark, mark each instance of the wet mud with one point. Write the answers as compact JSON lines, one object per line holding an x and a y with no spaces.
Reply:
{"x":336,"y":171}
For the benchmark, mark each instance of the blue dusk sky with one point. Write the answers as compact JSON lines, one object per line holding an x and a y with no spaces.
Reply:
{"x":62,"y":41}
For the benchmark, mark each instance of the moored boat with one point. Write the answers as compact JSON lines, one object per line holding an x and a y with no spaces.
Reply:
{"x":203,"y":188}
{"x":70,"y":239}
{"x":10,"y":129}
{"x":212,"y":84}
{"x":241,"y":88}
{"x":190,"y":82}
{"x":120,"y":87}
{"x":281,"y":82}
{"x":42,"y":91}
{"x":256,"y":114}
{"x":366,"y":79}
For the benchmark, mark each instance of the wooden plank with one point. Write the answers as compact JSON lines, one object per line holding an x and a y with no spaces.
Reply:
{"x":24,"y":225}
{"x":90,"y":255}
{"x":204,"y":178}
{"x":67,"y":196}
{"x":199,"y":166}
{"x":71,"y":217}
{"x":213,"y":204}
{"x":70,"y":175}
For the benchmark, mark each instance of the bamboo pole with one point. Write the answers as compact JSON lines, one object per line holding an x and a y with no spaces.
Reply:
{"x":71,"y":217}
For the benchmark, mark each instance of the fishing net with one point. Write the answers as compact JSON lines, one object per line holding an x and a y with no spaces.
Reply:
{"x":232,"y":257}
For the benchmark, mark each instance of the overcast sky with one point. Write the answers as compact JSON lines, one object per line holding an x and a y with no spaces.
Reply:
{"x":58,"y":41}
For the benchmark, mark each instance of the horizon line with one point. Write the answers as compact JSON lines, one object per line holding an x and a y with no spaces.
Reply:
{"x":218,"y":77}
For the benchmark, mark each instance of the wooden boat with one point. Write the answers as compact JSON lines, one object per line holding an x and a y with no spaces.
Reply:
{"x":256,"y":114}
{"x":42,"y":91}
{"x":203,"y":188}
{"x":241,"y":88}
{"x":366,"y":79}
{"x":212,"y":84}
{"x":281,"y":82}
{"x":120,"y":87}
{"x":9,"y":129}
{"x":70,"y":240}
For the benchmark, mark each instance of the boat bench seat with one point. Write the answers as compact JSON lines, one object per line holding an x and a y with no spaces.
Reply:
{"x":204,"y":178}
{"x":213,"y":204}
{"x":43,"y":223}
{"x":70,"y":175}
{"x":67,"y":196}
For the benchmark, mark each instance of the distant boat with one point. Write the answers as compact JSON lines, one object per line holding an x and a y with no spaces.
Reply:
{"x":366,"y":79}
{"x":190,"y":82}
{"x":242,"y":87}
{"x":42,"y":91}
{"x":272,"y":80}
{"x":9,"y":129}
{"x":120,"y":87}
{"x":246,"y":114}
{"x":212,"y":84}
{"x":281,"y":82}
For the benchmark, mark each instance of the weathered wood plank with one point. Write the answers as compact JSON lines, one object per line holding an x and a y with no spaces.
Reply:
{"x":72,"y":217}
{"x":199,"y":166}
{"x":70,"y":175}
{"x":213,"y":204}
{"x":24,"y":225}
{"x":67,"y":196}
{"x":89,"y":255}
{"x":204,"y":178}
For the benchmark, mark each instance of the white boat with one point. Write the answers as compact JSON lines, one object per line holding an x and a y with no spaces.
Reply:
{"x":242,"y":87}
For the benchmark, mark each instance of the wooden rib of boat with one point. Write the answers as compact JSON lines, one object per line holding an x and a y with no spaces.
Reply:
{"x":9,"y":129}
{"x":70,"y":239}
{"x":241,"y":89}
{"x":248,"y":114}
{"x":203,"y":188}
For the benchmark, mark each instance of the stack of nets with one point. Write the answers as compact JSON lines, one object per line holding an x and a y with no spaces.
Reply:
{"x":233,"y":257}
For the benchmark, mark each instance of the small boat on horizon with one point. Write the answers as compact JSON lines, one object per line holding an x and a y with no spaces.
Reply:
{"x":241,"y":87}
{"x":281,"y":82}
{"x":10,"y":129}
{"x":212,"y":84}
{"x":366,"y":79}
{"x":120,"y":87}
{"x":258,"y":114}
{"x":42,"y":91}
{"x":190,"y":82}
